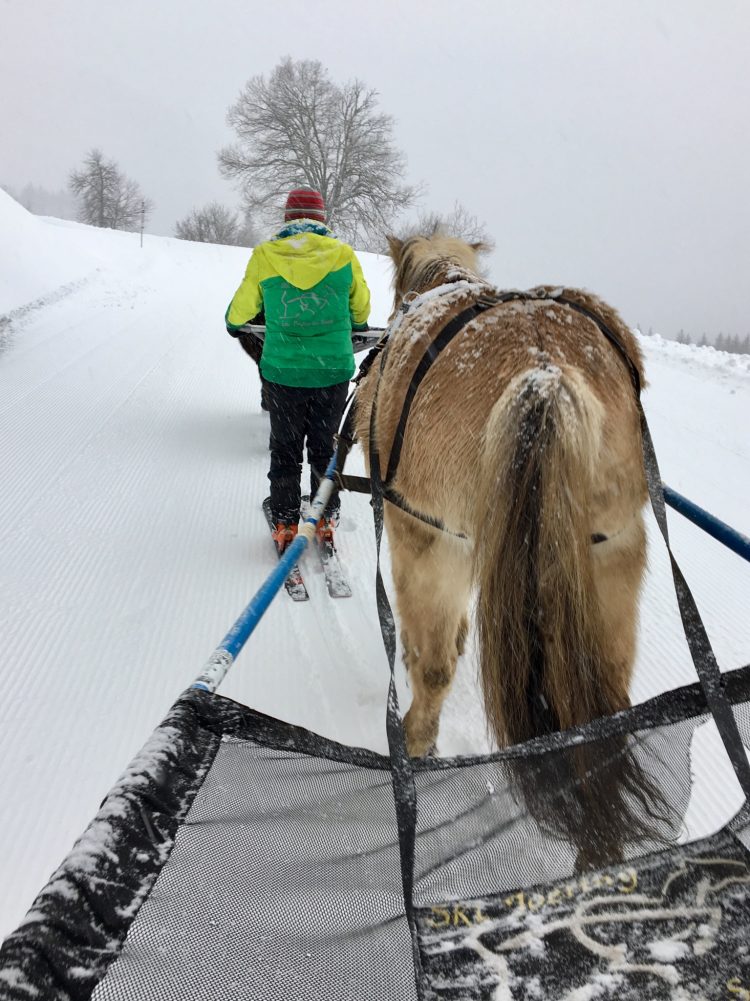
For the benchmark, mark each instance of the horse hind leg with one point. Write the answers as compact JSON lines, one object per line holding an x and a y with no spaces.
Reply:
{"x":432,"y":577}
{"x":462,"y":632}
{"x":618,"y":567}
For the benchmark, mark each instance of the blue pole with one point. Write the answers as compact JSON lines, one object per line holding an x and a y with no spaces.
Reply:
{"x":226,"y":652}
{"x":724,"y":533}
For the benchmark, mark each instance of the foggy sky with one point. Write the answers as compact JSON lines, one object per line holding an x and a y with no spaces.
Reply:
{"x":604,"y":143}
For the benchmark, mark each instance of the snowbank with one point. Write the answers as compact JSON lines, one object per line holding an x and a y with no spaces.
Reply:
{"x":36,"y":258}
{"x":695,"y":356}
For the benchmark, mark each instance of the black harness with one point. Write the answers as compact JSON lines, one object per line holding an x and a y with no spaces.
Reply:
{"x":346,"y":439}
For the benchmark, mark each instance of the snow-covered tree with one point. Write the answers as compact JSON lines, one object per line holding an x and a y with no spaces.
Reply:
{"x":105,"y":196}
{"x":299,"y":129}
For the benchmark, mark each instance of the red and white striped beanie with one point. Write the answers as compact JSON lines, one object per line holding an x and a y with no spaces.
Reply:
{"x":304,"y":203}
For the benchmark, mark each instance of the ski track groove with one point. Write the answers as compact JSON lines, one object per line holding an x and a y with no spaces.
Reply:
{"x":115,"y":688}
{"x":79,"y":331}
{"x":100,"y":412}
{"x":27,"y":338}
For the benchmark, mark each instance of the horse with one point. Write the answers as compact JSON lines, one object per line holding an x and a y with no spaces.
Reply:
{"x":520,"y":476}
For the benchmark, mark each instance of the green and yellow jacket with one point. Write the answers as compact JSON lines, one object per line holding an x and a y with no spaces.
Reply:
{"x":312,"y":291}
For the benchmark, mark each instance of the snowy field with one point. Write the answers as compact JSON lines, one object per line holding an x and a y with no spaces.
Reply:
{"x":134,"y":460}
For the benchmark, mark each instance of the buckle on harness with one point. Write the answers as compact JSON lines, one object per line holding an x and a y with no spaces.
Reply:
{"x":408,"y":300}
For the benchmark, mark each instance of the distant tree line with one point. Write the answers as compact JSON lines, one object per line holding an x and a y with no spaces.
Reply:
{"x":41,"y":201}
{"x":731,"y":343}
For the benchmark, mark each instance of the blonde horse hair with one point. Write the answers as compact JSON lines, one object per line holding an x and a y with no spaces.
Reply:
{"x":524,"y":438}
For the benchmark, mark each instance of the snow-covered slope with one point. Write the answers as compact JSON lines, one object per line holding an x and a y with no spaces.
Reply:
{"x":134,"y":458}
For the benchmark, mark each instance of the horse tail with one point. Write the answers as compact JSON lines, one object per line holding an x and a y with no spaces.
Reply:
{"x":545,"y":663}
{"x":543,"y":660}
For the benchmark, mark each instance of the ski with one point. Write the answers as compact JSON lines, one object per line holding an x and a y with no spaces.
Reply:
{"x":336,"y":580}
{"x":335,"y":576}
{"x":294,"y":583}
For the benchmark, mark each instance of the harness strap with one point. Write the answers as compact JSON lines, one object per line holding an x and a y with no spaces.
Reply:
{"x":699,"y":645}
{"x":611,"y":336}
{"x":402,"y":772}
{"x":345,"y":438}
{"x":443,"y":339}
{"x":363,"y":485}
{"x":354,"y":484}
{"x":395,"y":498}
{"x":369,"y":358}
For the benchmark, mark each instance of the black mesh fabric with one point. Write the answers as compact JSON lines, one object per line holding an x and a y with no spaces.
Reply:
{"x":280,"y":875}
{"x":284,"y":883}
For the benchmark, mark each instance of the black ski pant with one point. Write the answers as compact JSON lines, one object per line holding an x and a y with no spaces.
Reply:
{"x":298,"y":414}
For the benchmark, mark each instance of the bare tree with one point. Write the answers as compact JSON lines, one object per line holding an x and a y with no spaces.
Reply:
{"x":458,"y":222}
{"x":105,"y":196}
{"x":212,"y":224}
{"x":299,"y":128}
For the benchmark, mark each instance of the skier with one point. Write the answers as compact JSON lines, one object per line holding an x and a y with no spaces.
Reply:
{"x":311,"y":291}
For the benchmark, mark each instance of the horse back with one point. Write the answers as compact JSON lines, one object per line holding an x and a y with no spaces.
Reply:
{"x":444,"y":435}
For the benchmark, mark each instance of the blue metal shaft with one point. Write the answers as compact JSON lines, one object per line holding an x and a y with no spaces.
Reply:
{"x":226,"y":652}
{"x":719,"y":530}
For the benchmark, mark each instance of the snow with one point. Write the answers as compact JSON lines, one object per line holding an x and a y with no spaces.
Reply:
{"x":134,"y":458}
{"x":668,"y":951}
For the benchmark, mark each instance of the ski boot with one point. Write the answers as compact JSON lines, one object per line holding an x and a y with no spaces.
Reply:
{"x":324,"y":531}
{"x":284,"y":535}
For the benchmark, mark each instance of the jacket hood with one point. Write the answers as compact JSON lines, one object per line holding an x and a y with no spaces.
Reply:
{"x":305,"y":258}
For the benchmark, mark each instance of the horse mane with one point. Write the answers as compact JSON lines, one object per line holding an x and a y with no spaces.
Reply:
{"x":424,"y":261}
